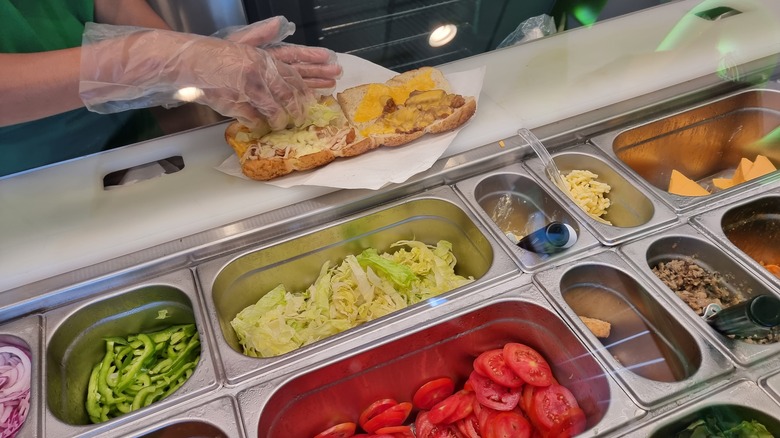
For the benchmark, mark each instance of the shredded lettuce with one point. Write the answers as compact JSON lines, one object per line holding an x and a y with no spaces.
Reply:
{"x":360,"y":289}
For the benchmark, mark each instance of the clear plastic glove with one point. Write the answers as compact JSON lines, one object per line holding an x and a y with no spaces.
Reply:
{"x":125,"y":67}
{"x":317,"y":66}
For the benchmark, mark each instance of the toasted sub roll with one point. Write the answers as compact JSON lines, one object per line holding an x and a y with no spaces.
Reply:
{"x":359,"y":119}
{"x":406,"y":107}
{"x":326,"y":135}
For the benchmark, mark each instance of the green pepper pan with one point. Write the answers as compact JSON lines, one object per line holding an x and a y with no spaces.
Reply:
{"x":141,"y":369}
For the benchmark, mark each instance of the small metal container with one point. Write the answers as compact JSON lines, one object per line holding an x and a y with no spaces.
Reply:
{"x":232,"y":283}
{"x":329,"y":393}
{"x":685,"y":242}
{"x":740,"y":400}
{"x":75,"y":342}
{"x":633,"y":211}
{"x":703,"y":142}
{"x":749,"y":230}
{"x":650,"y":348}
{"x":217,"y":418}
{"x":529,"y":201}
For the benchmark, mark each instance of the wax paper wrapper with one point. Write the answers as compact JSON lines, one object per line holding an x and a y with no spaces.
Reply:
{"x":384,"y":165}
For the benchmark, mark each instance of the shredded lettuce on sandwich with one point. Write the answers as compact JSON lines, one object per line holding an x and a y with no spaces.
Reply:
{"x":360,"y":289}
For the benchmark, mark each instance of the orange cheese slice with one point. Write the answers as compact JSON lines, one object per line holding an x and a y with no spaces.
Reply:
{"x":370,"y":107}
{"x":760,"y":167}
{"x":681,"y":185}
{"x":723,"y":183}
{"x":742,"y":170}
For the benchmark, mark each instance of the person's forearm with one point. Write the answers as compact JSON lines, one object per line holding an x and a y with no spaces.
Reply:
{"x":128,"y":13}
{"x":36,"y":85}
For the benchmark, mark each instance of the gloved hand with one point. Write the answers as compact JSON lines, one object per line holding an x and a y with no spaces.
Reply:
{"x":317,"y":66}
{"x":126,"y":67}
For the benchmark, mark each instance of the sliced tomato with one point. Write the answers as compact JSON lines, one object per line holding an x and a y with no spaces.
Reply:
{"x":507,"y":425}
{"x":491,"y":364}
{"x":422,"y":425}
{"x":343,"y":430}
{"x":469,"y":426}
{"x":423,"y":428}
{"x":526,"y":398}
{"x":392,"y":416}
{"x":396,"y":432}
{"x":375,"y":409}
{"x":570,"y":423}
{"x":493,"y":395}
{"x":552,"y":406}
{"x":452,"y":408}
{"x":433,"y":392}
{"x":446,"y":432}
{"x":528,"y":364}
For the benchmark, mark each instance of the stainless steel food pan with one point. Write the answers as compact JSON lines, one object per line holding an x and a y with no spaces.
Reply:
{"x":232,"y":283}
{"x":74,"y":342}
{"x":529,"y":207}
{"x":26,"y":332}
{"x":749,"y":230}
{"x":650,"y":348}
{"x":703,"y":142}
{"x":684,"y":242}
{"x":741,"y":399}
{"x":633,"y":210}
{"x":217,"y":418}
{"x":336,"y":391}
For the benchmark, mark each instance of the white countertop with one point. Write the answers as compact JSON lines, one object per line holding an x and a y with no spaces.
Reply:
{"x":58,"y":219}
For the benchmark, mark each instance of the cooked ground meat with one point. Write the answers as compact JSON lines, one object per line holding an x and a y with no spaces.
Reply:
{"x":695,"y":285}
{"x":699,"y":287}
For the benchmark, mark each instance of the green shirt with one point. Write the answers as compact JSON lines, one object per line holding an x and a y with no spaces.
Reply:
{"x":28,"y":26}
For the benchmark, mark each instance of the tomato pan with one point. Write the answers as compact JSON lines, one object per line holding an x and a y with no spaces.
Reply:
{"x":337,"y":391}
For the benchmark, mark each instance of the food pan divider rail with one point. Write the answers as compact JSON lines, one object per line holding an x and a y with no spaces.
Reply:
{"x":714,"y":367}
{"x":741,"y":396}
{"x":743,"y":353}
{"x":202,"y":414}
{"x":72,"y":344}
{"x":314,"y":243}
{"x":709,"y":224}
{"x":513,"y":180}
{"x":255,"y":396}
{"x":768,"y":378}
{"x":682,"y":204}
{"x":657,"y":218}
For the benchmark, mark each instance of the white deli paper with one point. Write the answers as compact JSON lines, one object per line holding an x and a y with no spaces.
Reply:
{"x":384,"y":165}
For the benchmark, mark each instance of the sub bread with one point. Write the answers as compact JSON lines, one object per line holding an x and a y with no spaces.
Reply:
{"x":357,"y":120}
{"x":598,"y":327}
{"x":422,"y":103}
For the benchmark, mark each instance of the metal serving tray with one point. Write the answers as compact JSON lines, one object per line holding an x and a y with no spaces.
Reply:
{"x":305,"y":403}
{"x":633,"y":212}
{"x":529,"y":203}
{"x":703,"y":142}
{"x":234,"y":282}
{"x":650,"y":349}
{"x":669,"y":364}
{"x":684,"y":242}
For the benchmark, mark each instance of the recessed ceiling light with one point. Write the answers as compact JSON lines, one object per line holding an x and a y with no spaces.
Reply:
{"x":442,"y":35}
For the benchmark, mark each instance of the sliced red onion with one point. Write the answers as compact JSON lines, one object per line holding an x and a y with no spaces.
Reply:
{"x":15,"y":371}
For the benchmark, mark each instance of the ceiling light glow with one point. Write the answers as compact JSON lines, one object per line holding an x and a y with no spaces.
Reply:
{"x":442,"y":35}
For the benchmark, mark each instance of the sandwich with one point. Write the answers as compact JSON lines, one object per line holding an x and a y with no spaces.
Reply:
{"x":357,"y":120}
